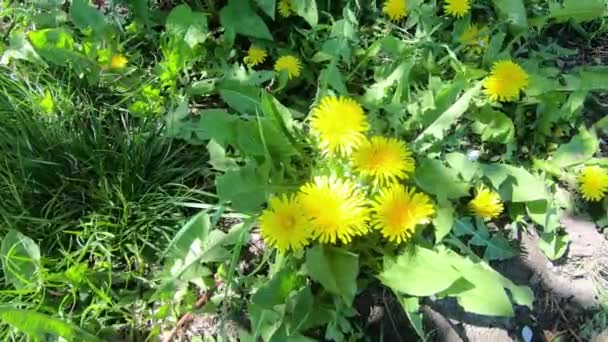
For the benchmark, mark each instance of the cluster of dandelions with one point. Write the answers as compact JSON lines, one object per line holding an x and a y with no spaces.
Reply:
{"x":593,"y":183}
{"x":333,"y":209}
{"x":396,"y":10}
{"x":289,"y":64}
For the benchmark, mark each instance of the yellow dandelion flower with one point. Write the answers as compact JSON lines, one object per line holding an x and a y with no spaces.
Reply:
{"x":286,"y":8}
{"x":289,"y":63}
{"x":593,"y":183}
{"x":283,"y":224}
{"x":118,"y":62}
{"x":395,"y":9}
{"x":457,"y":8}
{"x":475,"y":39}
{"x":486,"y":204}
{"x":397,"y":210}
{"x":339,"y":123}
{"x":255,"y":56}
{"x":385,"y":159}
{"x":336,"y":209}
{"x":505,"y":82}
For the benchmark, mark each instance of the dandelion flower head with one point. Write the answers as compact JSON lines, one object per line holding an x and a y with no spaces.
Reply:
{"x":283,"y":224}
{"x":385,"y":159}
{"x":593,"y":183}
{"x":336,"y":209}
{"x":289,"y":63}
{"x":118,"y":62}
{"x":457,"y":8}
{"x":286,"y":8}
{"x":397,"y":210}
{"x":255,"y":56}
{"x":339,"y":123}
{"x":486,"y":204}
{"x":505,"y":82}
{"x":395,"y":9}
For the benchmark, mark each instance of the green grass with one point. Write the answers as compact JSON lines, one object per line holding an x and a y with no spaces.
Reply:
{"x":98,"y":191}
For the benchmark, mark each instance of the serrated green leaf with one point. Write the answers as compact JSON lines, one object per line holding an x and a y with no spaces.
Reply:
{"x":587,"y":78}
{"x":218,"y":125}
{"x":554,"y":245}
{"x":241,"y":18}
{"x":37,"y":325}
{"x":242,"y":97}
{"x":268,"y":6}
{"x":496,"y":246}
{"x":277,"y":290}
{"x":488,"y":296}
{"x":334,"y":268}
{"x":84,"y":16}
{"x":515,"y":183}
{"x":246,"y":188}
{"x":434,"y":177}
{"x":187,"y":25}
{"x":513,"y":11}
{"x":494,"y":126}
{"x":307,"y":9}
{"x":449,"y":117}
{"x":444,"y":220}
{"x":577,"y":10}
{"x":411,"y":306}
{"x":578,"y":150}
{"x":20,"y":257}
{"x":419,"y":272}
{"x":466,"y":168}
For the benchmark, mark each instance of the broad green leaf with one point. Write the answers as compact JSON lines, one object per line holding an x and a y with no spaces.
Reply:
{"x":218,"y":125}
{"x":84,"y":16}
{"x":20,"y":258}
{"x":240,"y":17}
{"x":466,"y":168}
{"x":334,"y":268}
{"x":243,"y":98}
{"x":554,"y":245}
{"x":515,"y":183}
{"x":56,"y":46}
{"x":441,"y":101}
{"x":307,"y":9}
{"x":268,"y":6}
{"x":494,"y":126}
{"x":419,"y":272}
{"x":218,"y":159}
{"x":246,"y":188}
{"x":513,"y":11}
{"x":496,"y":246}
{"x":379,"y":90}
{"x":183,"y":23}
{"x":449,"y":117}
{"x":587,"y":78}
{"x":37,"y":325}
{"x":333,"y":77}
{"x":494,"y":51}
{"x":277,"y":290}
{"x":194,"y":243}
{"x":488,"y":297}
{"x":264,"y":322}
{"x":20,"y":48}
{"x":302,"y":309}
{"x":480,"y":282}
{"x":411,"y":306}
{"x":580,"y":149}
{"x":444,"y":220}
{"x":577,"y":10}
{"x":434,"y":177}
